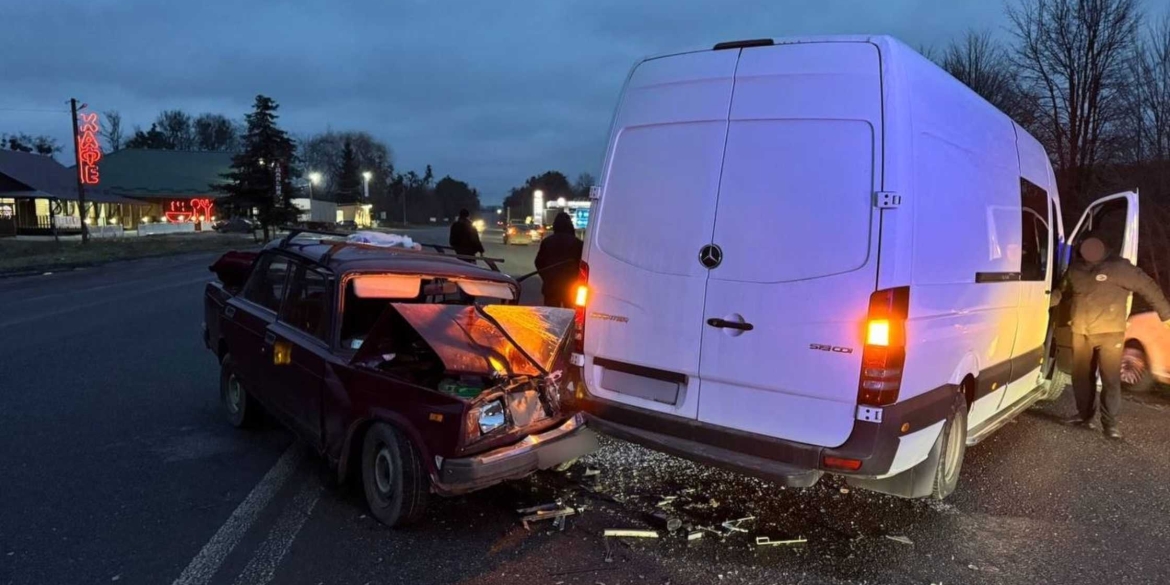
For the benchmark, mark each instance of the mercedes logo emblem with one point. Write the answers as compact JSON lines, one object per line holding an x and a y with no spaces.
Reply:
{"x":710,"y":256}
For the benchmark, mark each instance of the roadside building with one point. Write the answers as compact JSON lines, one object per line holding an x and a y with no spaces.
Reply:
{"x":38,"y":194}
{"x":175,"y":186}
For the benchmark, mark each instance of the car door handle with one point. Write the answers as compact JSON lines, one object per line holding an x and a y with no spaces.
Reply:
{"x":270,"y":338}
{"x":229,"y":311}
{"x":725,"y":324}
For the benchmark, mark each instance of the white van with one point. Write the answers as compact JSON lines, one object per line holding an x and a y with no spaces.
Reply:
{"x":820,"y":255}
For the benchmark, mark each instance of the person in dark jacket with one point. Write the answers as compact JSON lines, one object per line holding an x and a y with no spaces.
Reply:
{"x":1098,"y":288}
{"x":464,"y":236}
{"x":558,"y":261}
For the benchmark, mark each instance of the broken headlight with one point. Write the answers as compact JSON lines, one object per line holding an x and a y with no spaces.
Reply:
{"x":490,"y":416}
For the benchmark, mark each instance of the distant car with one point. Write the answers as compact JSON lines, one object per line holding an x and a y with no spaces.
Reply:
{"x":368,"y":354}
{"x":522,"y":234}
{"x":348,"y":224}
{"x":234,"y":225}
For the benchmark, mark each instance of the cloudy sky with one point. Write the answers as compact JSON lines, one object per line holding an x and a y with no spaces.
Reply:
{"x":488,"y":91}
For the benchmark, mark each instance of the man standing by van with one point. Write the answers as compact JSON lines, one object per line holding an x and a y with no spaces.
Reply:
{"x":1098,"y":286}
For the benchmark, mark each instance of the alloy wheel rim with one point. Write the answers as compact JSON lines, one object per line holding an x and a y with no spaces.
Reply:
{"x":1133,"y":367}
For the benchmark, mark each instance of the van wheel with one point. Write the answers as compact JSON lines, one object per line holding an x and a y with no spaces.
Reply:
{"x":1060,"y":380}
{"x":395,"y":482}
{"x":241,"y":409}
{"x":1135,"y":370}
{"x":953,"y":447}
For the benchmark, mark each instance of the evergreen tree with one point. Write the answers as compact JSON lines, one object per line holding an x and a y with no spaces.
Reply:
{"x":267,"y":153}
{"x":349,"y":179}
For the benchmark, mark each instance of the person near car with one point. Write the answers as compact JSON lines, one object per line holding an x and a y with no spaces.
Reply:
{"x":464,"y":236}
{"x":1098,"y":286}
{"x":558,"y":261}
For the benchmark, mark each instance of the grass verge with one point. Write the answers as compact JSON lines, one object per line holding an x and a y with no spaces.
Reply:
{"x":18,"y":256}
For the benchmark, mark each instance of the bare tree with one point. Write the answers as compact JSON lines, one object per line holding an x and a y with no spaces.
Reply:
{"x":215,"y":132}
{"x":112,"y":130}
{"x":176,"y":127}
{"x":1148,"y":104}
{"x":1073,"y":55}
{"x":986,"y":67}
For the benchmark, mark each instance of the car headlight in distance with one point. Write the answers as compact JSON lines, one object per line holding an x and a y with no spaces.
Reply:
{"x":491,"y":416}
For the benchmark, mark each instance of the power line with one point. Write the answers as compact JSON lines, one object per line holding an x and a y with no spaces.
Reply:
{"x":34,"y":109}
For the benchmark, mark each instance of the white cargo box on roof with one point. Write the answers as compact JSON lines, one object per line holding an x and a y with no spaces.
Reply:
{"x":809,"y":252}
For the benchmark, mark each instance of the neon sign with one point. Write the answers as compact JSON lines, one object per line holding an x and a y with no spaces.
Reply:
{"x":89,"y":151}
{"x":199,"y":209}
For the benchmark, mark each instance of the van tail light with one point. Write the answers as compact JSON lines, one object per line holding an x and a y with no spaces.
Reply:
{"x":580,"y":301}
{"x":885,"y":347}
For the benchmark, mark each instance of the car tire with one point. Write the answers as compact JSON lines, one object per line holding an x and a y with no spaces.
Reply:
{"x":952,"y":449}
{"x":393,"y":476}
{"x":241,"y":409}
{"x":1135,"y":370}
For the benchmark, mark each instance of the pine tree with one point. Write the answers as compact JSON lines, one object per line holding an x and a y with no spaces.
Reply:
{"x":268,"y":153}
{"x":349,"y":180}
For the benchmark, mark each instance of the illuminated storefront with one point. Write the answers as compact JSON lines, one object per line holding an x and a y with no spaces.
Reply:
{"x":176,"y":186}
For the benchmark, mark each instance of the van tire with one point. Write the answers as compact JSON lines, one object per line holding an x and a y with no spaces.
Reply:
{"x":1060,"y":380}
{"x":952,"y":448}
{"x":393,"y":477}
{"x":241,"y":409}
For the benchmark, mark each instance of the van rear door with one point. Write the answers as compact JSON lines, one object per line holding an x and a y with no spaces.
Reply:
{"x":797,"y":233}
{"x":656,"y":211}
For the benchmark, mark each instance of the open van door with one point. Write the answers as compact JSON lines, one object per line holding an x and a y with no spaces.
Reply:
{"x":1113,"y":219}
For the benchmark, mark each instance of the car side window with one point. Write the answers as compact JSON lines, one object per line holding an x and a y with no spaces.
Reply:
{"x":307,"y":305}
{"x":1036,"y":234}
{"x":266,"y":287}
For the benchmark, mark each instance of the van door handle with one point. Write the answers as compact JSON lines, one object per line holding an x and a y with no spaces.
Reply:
{"x":270,"y":338}
{"x":725,"y":324}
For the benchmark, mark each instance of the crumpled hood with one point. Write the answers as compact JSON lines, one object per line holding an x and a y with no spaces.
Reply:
{"x":467,"y":343}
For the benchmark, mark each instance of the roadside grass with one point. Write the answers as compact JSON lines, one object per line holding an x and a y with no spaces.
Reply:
{"x":23,"y":255}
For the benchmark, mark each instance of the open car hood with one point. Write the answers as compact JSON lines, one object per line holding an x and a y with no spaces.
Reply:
{"x":469,"y":344}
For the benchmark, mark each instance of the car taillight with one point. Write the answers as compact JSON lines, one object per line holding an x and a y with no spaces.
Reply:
{"x":885,"y":347}
{"x":580,"y":300}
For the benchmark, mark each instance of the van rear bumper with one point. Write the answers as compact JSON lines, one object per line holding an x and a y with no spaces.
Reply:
{"x":787,"y":462}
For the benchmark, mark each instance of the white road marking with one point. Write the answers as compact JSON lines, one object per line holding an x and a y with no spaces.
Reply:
{"x":208,"y":561}
{"x":262,"y":567}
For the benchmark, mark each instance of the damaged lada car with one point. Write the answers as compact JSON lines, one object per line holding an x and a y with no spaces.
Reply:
{"x":414,"y":371}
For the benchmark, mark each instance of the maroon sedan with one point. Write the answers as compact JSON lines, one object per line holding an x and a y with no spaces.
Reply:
{"x":414,"y":370}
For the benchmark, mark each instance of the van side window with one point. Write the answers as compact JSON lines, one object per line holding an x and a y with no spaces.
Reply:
{"x":266,"y":287}
{"x":1036,"y":231}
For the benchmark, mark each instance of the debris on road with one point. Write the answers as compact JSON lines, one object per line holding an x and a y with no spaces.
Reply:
{"x":695,"y":535}
{"x":666,"y":501}
{"x":558,"y":516}
{"x":630,"y":533}
{"x":664,"y":520}
{"x":541,"y":508}
{"x":734,"y":525}
{"x":765,"y":541}
{"x":591,"y":472}
{"x":901,"y":539}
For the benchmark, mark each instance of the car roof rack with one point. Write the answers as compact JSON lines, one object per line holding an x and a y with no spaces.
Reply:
{"x":492,"y":263}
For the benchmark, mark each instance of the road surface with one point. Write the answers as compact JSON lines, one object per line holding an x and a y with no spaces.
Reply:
{"x":118,"y":466}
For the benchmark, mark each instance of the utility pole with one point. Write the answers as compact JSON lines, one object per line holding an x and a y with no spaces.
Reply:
{"x":404,"y":191}
{"x":80,"y":183}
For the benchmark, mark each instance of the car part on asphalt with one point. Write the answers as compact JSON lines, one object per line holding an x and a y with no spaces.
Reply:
{"x":766,"y":541}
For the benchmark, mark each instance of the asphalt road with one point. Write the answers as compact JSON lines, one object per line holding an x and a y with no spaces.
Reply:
{"x":119,"y":467}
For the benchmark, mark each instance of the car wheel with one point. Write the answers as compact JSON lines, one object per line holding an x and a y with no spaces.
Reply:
{"x":395,"y":482}
{"x":952,"y":449}
{"x":241,"y":409}
{"x":1135,"y":370}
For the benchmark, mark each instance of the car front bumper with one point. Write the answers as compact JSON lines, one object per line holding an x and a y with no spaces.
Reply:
{"x":540,"y":451}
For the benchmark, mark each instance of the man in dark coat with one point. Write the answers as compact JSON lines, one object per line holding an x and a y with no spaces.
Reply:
{"x":558,"y":261}
{"x":464,"y":236}
{"x":1098,"y":288}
